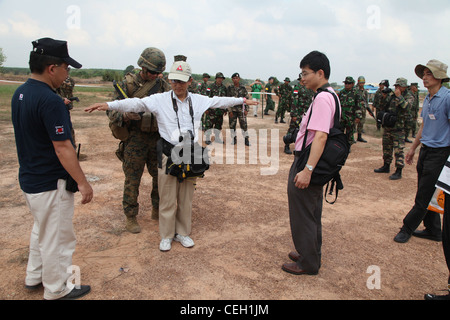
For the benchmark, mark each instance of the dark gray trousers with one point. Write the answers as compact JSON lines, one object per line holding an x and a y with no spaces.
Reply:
{"x":305,"y":213}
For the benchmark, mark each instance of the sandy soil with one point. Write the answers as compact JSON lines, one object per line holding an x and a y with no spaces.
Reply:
{"x":240,"y":228}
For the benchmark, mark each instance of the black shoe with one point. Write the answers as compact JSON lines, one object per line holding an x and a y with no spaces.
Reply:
{"x":425,"y":234}
{"x":360,"y":139}
{"x":208,"y":142}
{"x":218,"y":140}
{"x":234,"y":141}
{"x":77,"y":293}
{"x":384,"y":169}
{"x":35,"y":287}
{"x":282,"y":121}
{"x":266,"y":113}
{"x":402,"y":237}
{"x":397,"y":175}
{"x":435,"y":297}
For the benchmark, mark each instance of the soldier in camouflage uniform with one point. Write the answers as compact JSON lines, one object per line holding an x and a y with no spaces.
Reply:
{"x":66,"y":92}
{"x":270,"y":104}
{"x":214,"y":117}
{"x":351,"y":108}
{"x":204,"y":89}
{"x":394,"y":138}
{"x":138,"y":147}
{"x":364,"y":96}
{"x":301,"y":100}
{"x":377,"y":98}
{"x":285,"y":95}
{"x":237,"y":90}
{"x":415,"y":109}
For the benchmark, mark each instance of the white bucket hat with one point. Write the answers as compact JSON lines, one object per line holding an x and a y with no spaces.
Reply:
{"x":438,"y":68}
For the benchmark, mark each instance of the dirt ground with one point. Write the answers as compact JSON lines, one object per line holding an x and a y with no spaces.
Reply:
{"x":240,"y":228}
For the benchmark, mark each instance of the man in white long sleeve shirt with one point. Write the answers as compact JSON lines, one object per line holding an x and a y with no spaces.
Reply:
{"x":175,"y":209}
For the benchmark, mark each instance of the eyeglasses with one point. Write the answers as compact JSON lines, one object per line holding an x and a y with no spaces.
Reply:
{"x":305,"y":74}
{"x":58,"y":65}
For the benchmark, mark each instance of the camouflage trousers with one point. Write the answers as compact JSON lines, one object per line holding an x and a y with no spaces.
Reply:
{"x":283,"y":107}
{"x":362,"y":122}
{"x":234,"y":115}
{"x":139,"y":151}
{"x":409,"y":125}
{"x":212,"y":119}
{"x":394,"y":143}
{"x":348,"y":127}
{"x":270,"y":105}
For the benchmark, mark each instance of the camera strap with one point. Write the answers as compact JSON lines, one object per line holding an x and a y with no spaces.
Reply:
{"x":191,"y":112}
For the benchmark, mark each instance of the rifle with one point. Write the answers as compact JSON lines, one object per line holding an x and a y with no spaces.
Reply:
{"x":119,"y":90}
{"x":371,"y":112}
{"x":74,"y":99}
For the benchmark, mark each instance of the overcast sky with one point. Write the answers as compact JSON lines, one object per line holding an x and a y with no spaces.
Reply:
{"x":382,"y":39}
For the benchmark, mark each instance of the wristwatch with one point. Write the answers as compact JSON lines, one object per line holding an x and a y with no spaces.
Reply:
{"x":309,"y":167}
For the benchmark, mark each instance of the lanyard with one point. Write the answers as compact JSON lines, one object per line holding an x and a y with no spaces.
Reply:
{"x":191,"y":112}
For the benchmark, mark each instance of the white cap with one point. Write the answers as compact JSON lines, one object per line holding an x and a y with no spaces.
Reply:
{"x":180,"y":70}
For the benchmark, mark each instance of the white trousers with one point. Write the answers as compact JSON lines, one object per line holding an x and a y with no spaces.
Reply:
{"x":175,"y":203}
{"x":52,"y":240}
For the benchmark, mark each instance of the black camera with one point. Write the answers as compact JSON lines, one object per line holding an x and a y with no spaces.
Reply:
{"x":291,"y":136}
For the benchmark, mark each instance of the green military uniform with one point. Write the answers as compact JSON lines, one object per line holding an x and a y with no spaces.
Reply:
{"x":394,"y":138}
{"x":351,"y":105}
{"x":378,"y":97}
{"x":364,"y":96}
{"x":301,"y":100}
{"x":214,"y":117}
{"x":238,"y":112}
{"x":285,"y":94}
{"x":138,"y":147}
{"x":415,"y":110}
{"x":270,"y":104}
{"x":204,"y":89}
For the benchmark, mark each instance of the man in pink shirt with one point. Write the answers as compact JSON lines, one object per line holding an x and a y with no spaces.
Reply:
{"x":305,"y":200}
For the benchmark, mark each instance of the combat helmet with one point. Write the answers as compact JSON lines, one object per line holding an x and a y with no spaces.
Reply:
{"x":152,"y":59}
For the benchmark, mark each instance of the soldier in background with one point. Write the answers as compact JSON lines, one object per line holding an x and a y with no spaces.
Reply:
{"x":364,"y":96}
{"x":214,"y":117}
{"x":351,"y":109}
{"x":237,"y":90}
{"x":415,"y":108}
{"x":203,"y":87}
{"x":138,"y":146}
{"x":394,"y":138}
{"x":66,"y":92}
{"x":377,"y":99}
{"x":270,"y":104}
{"x":257,"y":88}
{"x":285,"y":95}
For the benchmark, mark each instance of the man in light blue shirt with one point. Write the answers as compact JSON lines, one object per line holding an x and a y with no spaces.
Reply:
{"x":434,"y":136}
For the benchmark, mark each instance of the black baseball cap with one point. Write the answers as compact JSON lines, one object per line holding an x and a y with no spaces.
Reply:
{"x":55,"y":48}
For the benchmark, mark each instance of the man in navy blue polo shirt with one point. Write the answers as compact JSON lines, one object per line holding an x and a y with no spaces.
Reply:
{"x":47,"y":157}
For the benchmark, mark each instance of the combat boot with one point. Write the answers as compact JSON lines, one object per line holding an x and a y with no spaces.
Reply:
{"x":287,"y":150}
{"x":234,"y":141}
{"x":282,"y":121}
{"x":386,"y":168}
{"x":132,"y":225}
{"x":247,"y":142}
{"x":155,"y":213}
{"x":360,"y":138}
{"x":397,"y":175}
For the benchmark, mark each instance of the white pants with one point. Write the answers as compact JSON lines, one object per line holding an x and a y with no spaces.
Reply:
{"x":255,"y":108}
{"x":175,"y":203}
{"x":52,"y":241}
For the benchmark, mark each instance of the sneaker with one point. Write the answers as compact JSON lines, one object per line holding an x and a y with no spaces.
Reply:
{"x":185,"y":241}
{"x":77,"y":293}
{"x":165,"y":244}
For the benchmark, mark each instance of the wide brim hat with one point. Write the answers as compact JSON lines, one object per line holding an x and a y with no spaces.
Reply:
{"x":180,"y":71}
{"x":55,"y":48}
{"x":438,"y":68}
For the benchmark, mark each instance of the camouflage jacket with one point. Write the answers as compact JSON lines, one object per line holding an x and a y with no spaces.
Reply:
{"x":237,"y":92}
{"x":217,"y":91}
{"x":66,"y":90}
{"x":396,"y":105}
{"x":301,"y":100}
{"x":268,"y":89}
{"x":204,"y":89}
{"x":285,"y":93}
{"x":351,"y":104}
{"x":377,"y":99}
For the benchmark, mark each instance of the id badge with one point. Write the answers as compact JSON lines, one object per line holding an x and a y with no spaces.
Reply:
{"x":432,"y":117}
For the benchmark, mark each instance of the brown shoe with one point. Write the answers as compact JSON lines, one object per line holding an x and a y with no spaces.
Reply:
{"x":132,"y":225}
{"x":294,"y":269}
{"x":294,"y":256}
